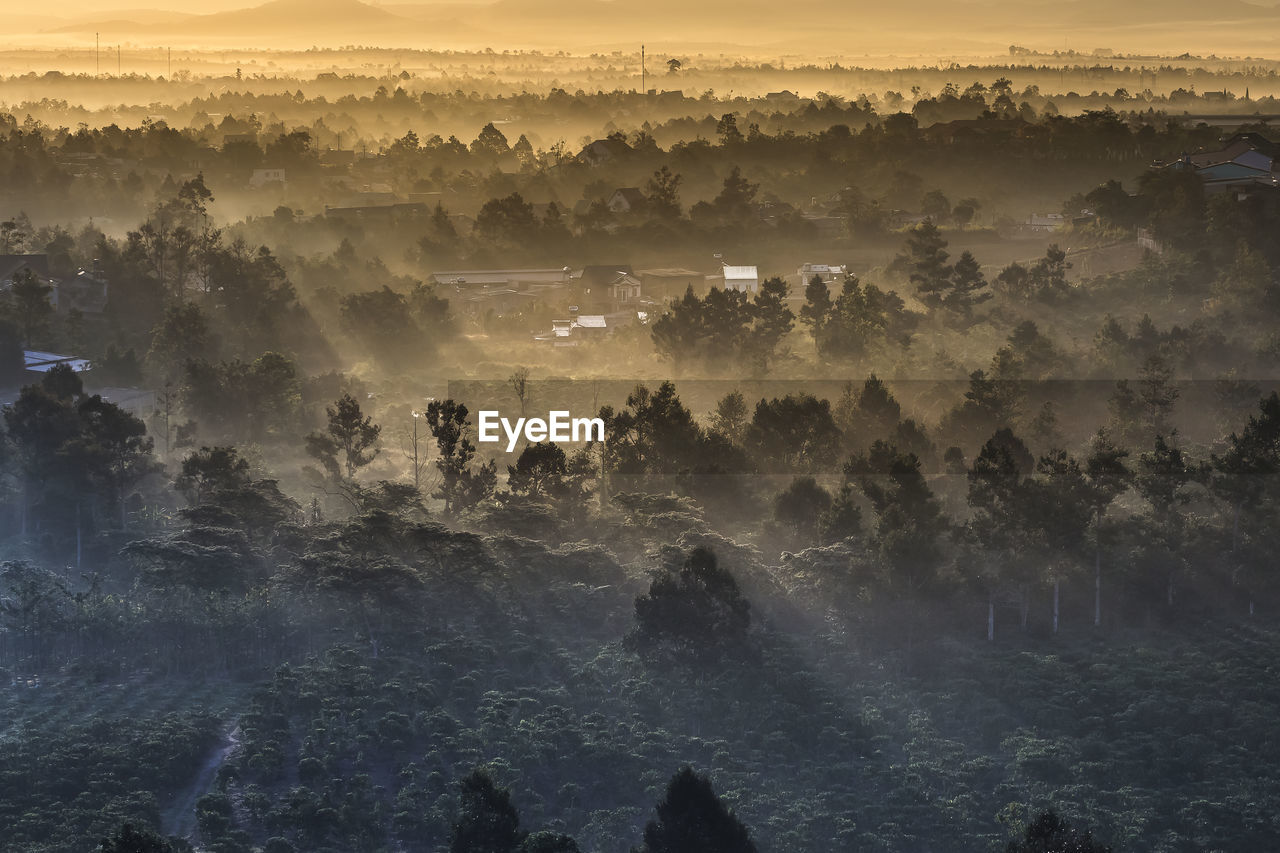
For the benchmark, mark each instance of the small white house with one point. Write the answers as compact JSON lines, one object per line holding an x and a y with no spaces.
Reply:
{"x":827,"y":272}
{"x":261,"y":177}
{"x":1045,"y":222}
{"x":742,"y":278}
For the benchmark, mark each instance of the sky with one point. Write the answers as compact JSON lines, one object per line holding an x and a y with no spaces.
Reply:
{"x":826,"y":27}
{"x":71,"y":8}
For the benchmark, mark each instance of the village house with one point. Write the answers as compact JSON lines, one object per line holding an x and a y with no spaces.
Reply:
{"x":745,"y":279}
{"x":626,"y":200}
{"x":84,"y":291}
{"x":593,"y":285}
{"x":480,"y":293}
{"x":827,"y":272}
{"x":12,"y":265}
{"x":603,"y":151}
{"x":575,"y":330}
{"x":384,"y":213}
{"x":1040,"y":223}
{"x":667,"y":283}
{"x":261,"y":177}
{"x":1246,"y":163}
{"x":504,"y":278}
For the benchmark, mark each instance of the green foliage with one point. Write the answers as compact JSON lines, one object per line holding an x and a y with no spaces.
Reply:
{"x":794,"y":433}
{"x":925,"y":262}
{"x":130,"y":840}
{"x":488,"y":822}
{"x":462,"y":485}
{"x":350,"y":441}
{"x":130,"y":762}
{"x":801,"y":506}
{"x":692,"y":611}
{"x":237,"y":403}
{"x":26,"y":305}
{"x":1045,"y":280}
{"x":662,"y":193}
{"x":909,"y":519}
{"x":725,"y":328}
{"x":862,"y":319}
{"x":543,"y":471}
{"x":75,"y":448}
{"x":1049,"y":833}
{"x":691,"y":818}
{"x":221,"y":491}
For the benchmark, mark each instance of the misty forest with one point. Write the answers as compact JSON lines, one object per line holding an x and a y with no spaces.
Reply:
{"x":936,"y":507}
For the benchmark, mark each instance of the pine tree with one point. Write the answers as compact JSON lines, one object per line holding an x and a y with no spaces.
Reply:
{"x":927,"y":261}
{"x":817,"y":305}
{"x":663,"y":194}
{"x":130,"y":840}
{"x":489,"y":822}
{"x":694,"y":611}
{"x":1051,"y":834}
{"x":692,"y":819}
{"x":349,"y":442}
{"x":968,"y":287}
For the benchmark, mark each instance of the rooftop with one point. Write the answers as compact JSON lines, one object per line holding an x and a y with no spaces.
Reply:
{"x":43,"y":362}
{"x":10,"y":264}
{"x":670,"y":272}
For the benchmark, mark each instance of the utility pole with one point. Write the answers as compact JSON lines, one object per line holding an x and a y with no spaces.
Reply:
{"x":119,"y":63}
{"x":97,"y":56}
{"x":642,"y":88}
{"x":413,"y":455}
{"x":170,"y":77}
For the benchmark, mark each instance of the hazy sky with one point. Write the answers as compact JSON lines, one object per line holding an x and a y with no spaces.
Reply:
{"x":927,"y":27}
{"x":77,"y":7}
{"x":68,"y":8}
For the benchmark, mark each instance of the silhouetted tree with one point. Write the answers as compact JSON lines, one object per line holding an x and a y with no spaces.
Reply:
{"x":694,"y":611}
{"x":488,"y":822}
{"x":730,"y":417}
{"x":130,"y":840}
{"x":968,"y":286}
{"x":461,"y":485}
{"x":909,"y":519}
{"x":349,"y":441}
{"x":663,"y":194}
{"x":692,"y":819}
{"x":1049,"y":833}
{"x":795,"y":433}
{"x":801,"y":505}
{"x":926,"y":263}
{"x":27,"y":303}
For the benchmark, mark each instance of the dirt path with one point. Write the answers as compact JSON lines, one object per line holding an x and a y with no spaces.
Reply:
{"x":180,"y":818}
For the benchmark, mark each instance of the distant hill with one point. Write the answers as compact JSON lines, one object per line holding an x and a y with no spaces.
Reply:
{"x":826,"y":27}
{"x":338,"y":16}
{"x":287,"y":20}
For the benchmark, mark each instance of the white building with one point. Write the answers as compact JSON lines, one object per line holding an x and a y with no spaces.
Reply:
{"x":741,"y":278}
{"x":261,"y":177}
{"x":827,"y":272}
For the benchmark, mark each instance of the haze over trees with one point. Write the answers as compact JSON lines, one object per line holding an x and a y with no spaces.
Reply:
{"x":935,"y":505}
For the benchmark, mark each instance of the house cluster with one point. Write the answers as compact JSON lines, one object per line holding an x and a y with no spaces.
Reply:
{"x":1046,"y":223}
{"x":595,"y":300}
{"x":83,"y":290}
{"x":1246,"y":163}
{"x":139,"y":402}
